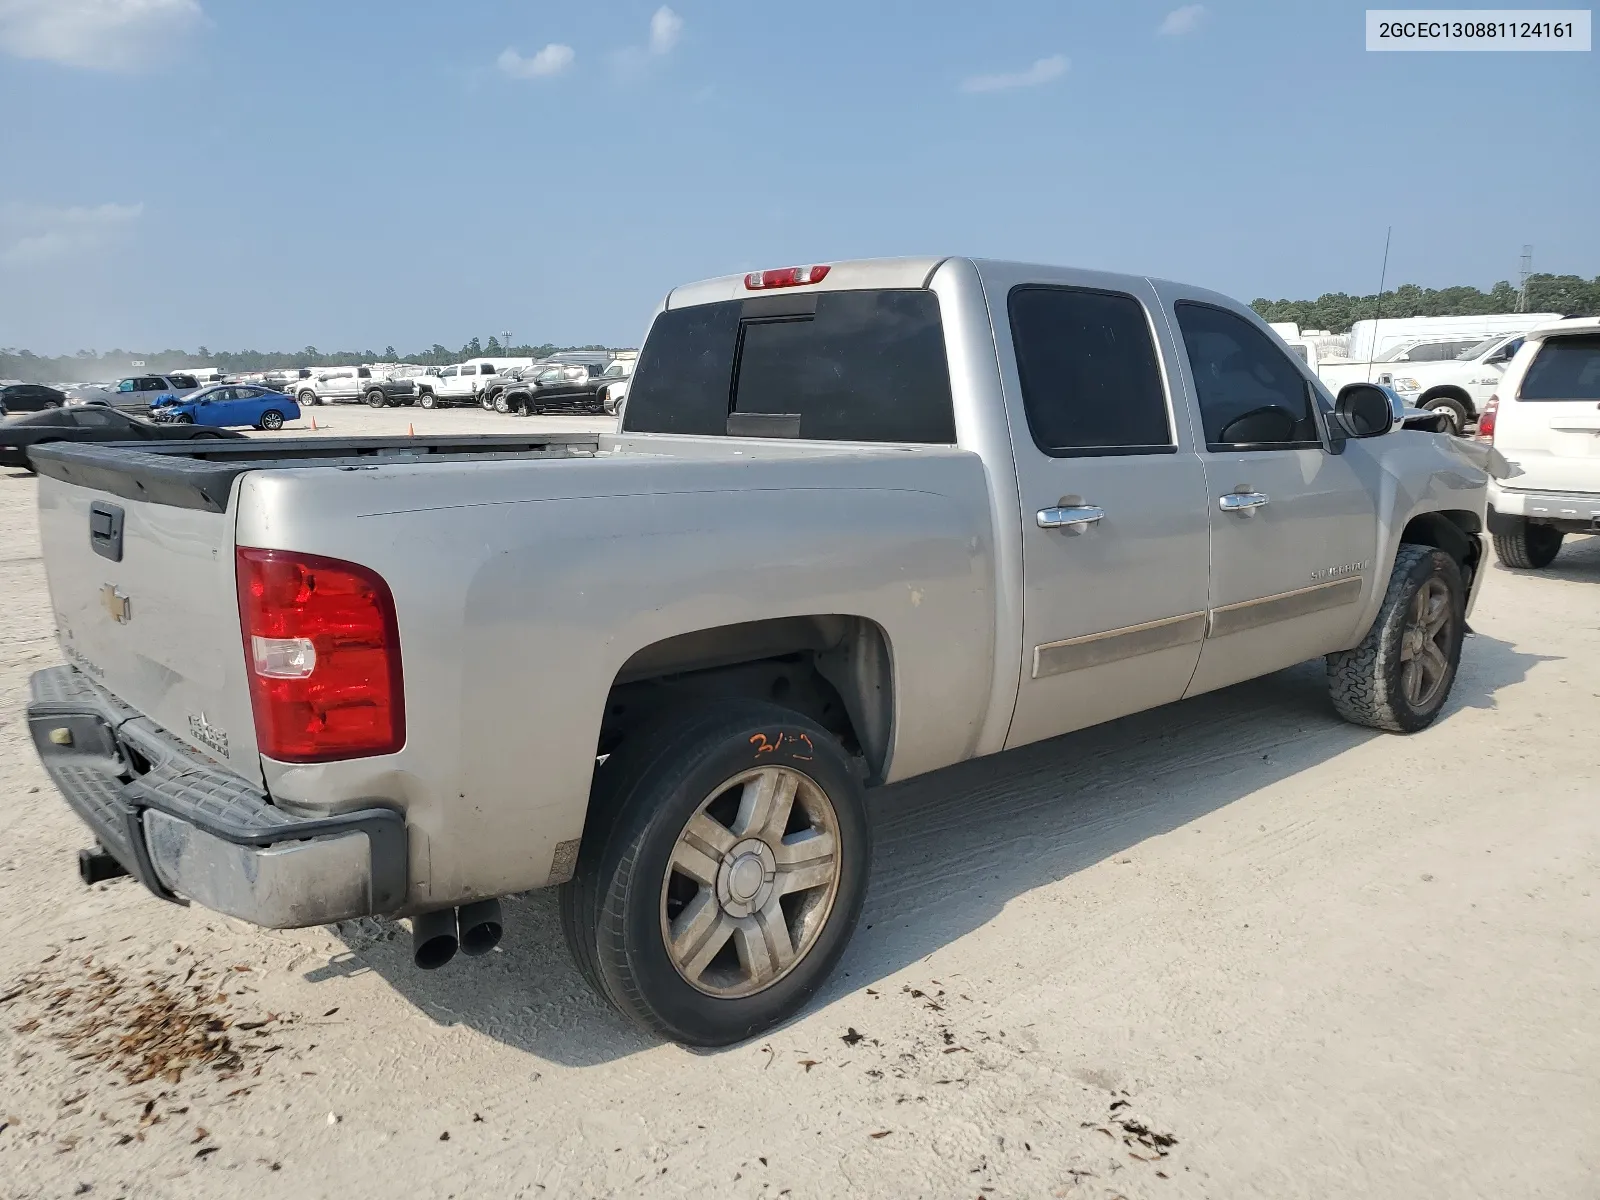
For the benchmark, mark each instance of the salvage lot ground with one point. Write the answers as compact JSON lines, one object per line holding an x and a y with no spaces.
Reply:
{"x":1230,"y":948}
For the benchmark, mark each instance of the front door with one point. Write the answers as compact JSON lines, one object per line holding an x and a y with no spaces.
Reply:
{"x":1294,"y":527}
{"x":1113,"y":500}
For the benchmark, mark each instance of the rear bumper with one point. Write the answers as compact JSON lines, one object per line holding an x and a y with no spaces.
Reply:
{"x":189,"y":829}
{"x":1563,"y":508}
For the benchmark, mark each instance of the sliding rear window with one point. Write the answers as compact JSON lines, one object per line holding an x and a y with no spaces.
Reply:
{"x":861,"y":366}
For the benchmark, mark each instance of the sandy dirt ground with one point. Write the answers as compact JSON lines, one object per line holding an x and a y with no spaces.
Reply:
{"x":1230,"y":948}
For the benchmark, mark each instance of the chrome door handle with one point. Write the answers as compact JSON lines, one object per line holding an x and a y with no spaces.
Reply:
{"x":1242,"y":502}
{"x":1075,"y":520}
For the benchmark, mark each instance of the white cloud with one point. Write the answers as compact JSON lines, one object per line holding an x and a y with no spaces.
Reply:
{"x":666,"y":27}
{"x":1182,"y":20}
{"x":102,"y":35}
{"x":1041,"y":72}
{"x":552,"y":60}
{"x":34,"y":234}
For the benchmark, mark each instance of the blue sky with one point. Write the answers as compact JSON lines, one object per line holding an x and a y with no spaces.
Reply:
{"x":360,"y":173}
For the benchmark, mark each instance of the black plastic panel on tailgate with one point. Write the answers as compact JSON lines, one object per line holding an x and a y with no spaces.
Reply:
{"x":200,"y":475}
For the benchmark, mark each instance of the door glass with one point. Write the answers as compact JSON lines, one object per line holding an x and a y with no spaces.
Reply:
{"x":127,"y":385}
{"x":1252,"y":396}
{"x":1090,"y":380}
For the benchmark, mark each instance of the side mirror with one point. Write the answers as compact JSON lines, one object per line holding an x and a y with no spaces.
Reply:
{"x":1368,"y":409}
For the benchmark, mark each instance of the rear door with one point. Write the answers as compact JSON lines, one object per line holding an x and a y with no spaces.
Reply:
{"x":1293,"y":526}
{"x":1549,"y":422}
{"x":1113,"y":500}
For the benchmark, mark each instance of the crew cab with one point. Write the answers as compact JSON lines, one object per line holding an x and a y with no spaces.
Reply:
{"x":335,"y":384}
{"x":1458,"y":386}
{"x":1545,"y":421}
{"x":458,"y":384}
{"x":573,"y":387}
{"x":860,"y":521}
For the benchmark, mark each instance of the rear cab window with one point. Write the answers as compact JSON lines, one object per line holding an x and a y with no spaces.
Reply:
{"x":860,"y":366}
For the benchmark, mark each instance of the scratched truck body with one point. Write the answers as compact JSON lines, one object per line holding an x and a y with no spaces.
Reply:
{"x":859,"y":522}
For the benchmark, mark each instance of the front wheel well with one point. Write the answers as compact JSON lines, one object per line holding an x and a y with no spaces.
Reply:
{"x":1450,"y":530}
{"x":834,"y":669}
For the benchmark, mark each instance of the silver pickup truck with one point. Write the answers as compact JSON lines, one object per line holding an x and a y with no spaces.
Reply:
{"x":860,"y":521}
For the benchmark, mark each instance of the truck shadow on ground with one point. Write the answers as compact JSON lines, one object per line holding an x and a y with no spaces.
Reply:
{"x":952,"y":849}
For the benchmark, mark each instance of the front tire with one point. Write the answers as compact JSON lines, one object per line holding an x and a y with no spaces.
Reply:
{"x":723,"y":871}
{"x":427,"y":400}
{"x":271,"y":419}
{"x":1528,"y":547}
{"x":1400,"y":676}
{"x":183,"y":419}
{"x":1452,"y":408}
{"x":501,"y":404}
{"x":376,"y":399}
{"x":485,"y":401}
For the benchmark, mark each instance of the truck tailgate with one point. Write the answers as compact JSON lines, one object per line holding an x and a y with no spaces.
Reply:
{"x":143,"y":595}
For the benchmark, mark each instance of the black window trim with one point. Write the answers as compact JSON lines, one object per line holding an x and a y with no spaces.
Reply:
{"x":1321,"y":443}
{"x":1161,"y":375}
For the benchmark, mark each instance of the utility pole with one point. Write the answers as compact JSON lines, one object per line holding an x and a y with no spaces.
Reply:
{"x":1527,"y":270}
{"x":505,"y":342}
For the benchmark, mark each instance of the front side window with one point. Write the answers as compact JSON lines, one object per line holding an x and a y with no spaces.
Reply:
{"x":448,"y":373}
{"x":1566,"y":368}
{"x":1091,"y":383}
{"x":1251,"y":394}
{"x":127,"y":385}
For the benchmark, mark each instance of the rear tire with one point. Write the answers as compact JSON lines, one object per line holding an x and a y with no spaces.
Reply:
{"x":1528,"y":547}
{"x":271,"y":419}
{"x":309,"y":399}
{"x":777,"y":795}
{"x":1452,"y":408}
{"x":1401,"y":674}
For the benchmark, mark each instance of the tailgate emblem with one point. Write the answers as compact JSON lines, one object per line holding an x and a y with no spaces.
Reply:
{"x":116,"y":604}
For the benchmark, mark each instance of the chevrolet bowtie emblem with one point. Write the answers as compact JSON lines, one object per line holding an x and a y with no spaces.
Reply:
{"x":116,"y":604}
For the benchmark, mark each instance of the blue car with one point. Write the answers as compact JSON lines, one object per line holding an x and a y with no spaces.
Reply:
{"x":228,"y":404}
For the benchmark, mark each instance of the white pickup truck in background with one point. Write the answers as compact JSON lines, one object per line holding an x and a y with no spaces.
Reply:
{"x":1458,"y":386}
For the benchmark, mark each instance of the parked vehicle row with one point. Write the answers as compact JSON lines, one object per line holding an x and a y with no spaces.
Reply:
{"x":897,"y":514}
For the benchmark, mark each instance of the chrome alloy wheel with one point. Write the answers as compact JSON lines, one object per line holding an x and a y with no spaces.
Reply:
{"x":751,"y":882}
{"x":1425,"y":644}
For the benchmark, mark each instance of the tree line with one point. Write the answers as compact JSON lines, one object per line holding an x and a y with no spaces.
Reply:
{"x":91,"y":365}
{"x":1570,"y":295}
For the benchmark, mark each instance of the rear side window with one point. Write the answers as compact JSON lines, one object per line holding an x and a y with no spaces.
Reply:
{"x":1090,"y":380}
{"x":1566,"y":368}
{"x":865,"y":366}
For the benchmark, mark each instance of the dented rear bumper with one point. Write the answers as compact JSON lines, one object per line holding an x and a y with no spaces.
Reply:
{"x":189,"y":829}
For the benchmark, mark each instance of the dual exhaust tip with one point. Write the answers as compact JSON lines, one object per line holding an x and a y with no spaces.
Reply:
{"x":473,"y":929}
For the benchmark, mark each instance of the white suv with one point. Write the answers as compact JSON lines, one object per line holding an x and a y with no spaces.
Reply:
{"x":1545,"y":421}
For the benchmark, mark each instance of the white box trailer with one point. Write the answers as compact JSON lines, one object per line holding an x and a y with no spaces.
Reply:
{"x":1370,"y":338}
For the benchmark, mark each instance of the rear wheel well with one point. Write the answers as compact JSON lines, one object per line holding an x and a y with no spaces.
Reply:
{"x":833,"y":669}
{"x":1452,"y":531}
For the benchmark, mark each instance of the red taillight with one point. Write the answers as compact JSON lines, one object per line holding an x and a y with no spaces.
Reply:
{"x":785,"y":277}
{"x":1486,"y":419}
{"x":322,"y":651}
